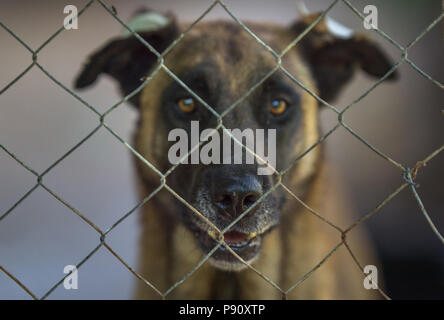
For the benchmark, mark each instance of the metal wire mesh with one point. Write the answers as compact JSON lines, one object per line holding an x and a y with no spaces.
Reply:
{"x":408,"y":174}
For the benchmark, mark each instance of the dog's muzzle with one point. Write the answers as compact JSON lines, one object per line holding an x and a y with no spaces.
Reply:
{"x":232,"y":193}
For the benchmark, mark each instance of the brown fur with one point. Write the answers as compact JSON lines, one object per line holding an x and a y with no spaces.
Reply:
{"x":168,"y":250}
{"x":287,"y":256}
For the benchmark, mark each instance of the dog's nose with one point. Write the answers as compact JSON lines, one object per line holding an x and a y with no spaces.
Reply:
{"x":235,"y":195}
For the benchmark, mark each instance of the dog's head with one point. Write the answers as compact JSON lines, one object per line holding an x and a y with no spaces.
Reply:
{"x":221,"y":62}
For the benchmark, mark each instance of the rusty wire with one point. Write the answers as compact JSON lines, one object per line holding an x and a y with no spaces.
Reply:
{"x":408,"y":174}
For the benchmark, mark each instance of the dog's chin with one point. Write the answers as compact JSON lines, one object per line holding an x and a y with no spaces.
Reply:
{"x":246,"y":246}
{"x":230,"y":265}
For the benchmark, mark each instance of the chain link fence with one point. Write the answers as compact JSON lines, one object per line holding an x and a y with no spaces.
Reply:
{"x":408,"y":174}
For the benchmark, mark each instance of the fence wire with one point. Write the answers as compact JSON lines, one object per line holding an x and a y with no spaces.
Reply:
{"x":408,"y":174}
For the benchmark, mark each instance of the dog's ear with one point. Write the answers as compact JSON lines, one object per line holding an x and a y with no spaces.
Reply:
{"x":334,"y":52}
{"x":126,"y":58}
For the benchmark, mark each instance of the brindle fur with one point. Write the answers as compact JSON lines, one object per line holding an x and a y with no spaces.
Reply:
{"x":235,"y":62}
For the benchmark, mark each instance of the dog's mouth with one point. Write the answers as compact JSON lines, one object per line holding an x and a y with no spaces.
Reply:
{"x":238,"y":240}
{"x":245,"y":245}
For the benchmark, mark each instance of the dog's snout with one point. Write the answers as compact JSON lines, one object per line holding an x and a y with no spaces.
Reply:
{"x":234,"y":195}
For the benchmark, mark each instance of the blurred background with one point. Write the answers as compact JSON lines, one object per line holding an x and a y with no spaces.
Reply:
{"x":39,"y":122}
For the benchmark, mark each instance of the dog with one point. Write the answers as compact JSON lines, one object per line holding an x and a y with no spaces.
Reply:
{"x":279,"y":237}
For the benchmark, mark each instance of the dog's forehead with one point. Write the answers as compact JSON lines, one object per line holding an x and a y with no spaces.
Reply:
{"x":235,"y":55}
{"x":224,"y":43}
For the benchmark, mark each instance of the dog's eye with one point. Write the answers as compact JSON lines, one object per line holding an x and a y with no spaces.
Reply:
{"x":186,"y":105}
{"x":278,"y":106}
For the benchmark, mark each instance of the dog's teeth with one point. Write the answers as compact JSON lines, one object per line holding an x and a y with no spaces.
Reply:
{"x":252,"y":235}
{"x":212,"y":234}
